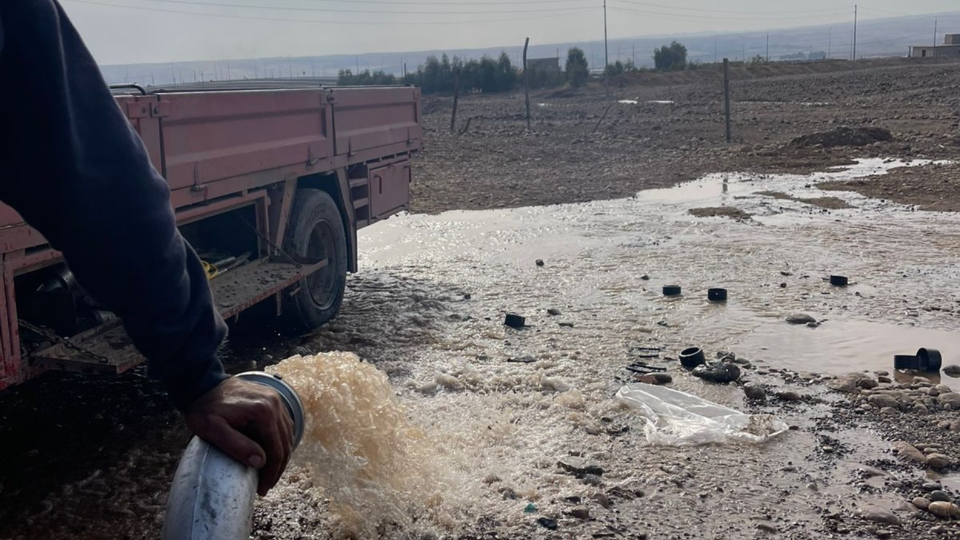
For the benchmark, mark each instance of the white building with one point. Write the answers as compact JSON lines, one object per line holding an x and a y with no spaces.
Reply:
{"x":950,"y":47}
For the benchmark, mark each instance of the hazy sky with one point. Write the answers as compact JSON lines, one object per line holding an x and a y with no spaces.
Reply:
{"x":171,"y":30}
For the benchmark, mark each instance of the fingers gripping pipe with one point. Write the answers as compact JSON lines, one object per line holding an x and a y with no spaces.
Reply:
{"x":212,"y":495}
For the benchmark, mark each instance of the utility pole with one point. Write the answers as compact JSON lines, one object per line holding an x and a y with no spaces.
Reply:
{"x":726,"y":97}
{"x":634,"y":55}
{"x":768,"y":47}
{"x":290,"y":66}
{"x":606,"y":48}
{"x":935,"y":21}
{"x":715,"y":58}
{"x":357,"y":58}
{"x":854,"y":32}
{"x":229,"y":75}
{"x":829,"y":42}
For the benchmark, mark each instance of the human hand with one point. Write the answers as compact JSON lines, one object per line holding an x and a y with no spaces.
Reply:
{"x":249,"y":423}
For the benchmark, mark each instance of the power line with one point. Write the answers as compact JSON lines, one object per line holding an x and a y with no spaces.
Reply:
{"x":334,"y":10}
{"x":716,"y":17}
{"x":777,"y":12}
{"x":326,"y":21}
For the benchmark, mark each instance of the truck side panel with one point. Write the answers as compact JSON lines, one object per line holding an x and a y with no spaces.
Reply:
{"x":372,"y":118}
{"x":209,"y":137}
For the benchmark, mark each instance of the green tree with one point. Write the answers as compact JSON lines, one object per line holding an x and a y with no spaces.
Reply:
{"x":614,"y":69}
{"x":578,"y":71}
{"x":672,"y":57}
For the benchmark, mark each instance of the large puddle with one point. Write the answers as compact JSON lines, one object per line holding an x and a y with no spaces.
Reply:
{"x":902,"y":266}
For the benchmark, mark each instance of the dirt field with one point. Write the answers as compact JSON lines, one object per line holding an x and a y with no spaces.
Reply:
{"x":90,"y":458}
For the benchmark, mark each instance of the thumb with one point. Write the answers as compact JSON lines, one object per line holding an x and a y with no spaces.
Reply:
{"x":233,"y":443}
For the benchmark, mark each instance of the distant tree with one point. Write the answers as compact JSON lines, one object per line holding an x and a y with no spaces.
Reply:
{"x":758,"y":59}
{"x":365,"y":78}
{"x":506,"y":74}
{"x":618,"y":68}
{"x":578,"y":71}
{"x":672,"y":57}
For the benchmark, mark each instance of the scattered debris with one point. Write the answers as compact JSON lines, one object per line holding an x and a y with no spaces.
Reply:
{"x":671,"y":290}
{"x":540,"y":262}
{"x":692,"y":357}
{"x":839,"y":281}
{"x":514,"y":321}
{"x":800,"y":318}
{"x":579,"y":466}
{"x":721,"y":372}
{"x":553,"y":312}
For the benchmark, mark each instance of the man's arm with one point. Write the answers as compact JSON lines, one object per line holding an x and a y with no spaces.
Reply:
{"x":75,"y":169}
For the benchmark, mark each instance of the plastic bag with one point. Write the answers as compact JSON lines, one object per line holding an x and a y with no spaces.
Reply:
{"x":675,"y":418}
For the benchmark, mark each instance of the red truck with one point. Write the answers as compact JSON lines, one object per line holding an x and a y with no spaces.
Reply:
{"x":269,"y":186}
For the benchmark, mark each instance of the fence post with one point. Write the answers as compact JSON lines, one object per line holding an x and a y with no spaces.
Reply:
{"x":726,"y":94}
{"x":456,"y":99}
{"x":526,"y":80}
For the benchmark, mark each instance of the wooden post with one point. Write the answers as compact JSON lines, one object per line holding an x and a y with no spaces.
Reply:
{"x":526,"y":80}
{"x":726,"y":94}
{"x":456,"y":99}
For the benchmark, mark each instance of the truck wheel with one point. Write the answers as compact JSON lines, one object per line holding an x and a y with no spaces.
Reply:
{"x":316,"y":231}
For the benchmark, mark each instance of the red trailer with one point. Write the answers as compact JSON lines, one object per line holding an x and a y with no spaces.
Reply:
{"x":269,"y":186}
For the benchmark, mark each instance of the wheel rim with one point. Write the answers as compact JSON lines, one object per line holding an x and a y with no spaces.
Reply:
{"x":322,"y":283}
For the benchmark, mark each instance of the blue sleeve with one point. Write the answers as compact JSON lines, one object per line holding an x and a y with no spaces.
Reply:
{"x":76,"y":170}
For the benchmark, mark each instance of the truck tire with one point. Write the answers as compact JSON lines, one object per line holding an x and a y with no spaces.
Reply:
{"x":316,"y":231}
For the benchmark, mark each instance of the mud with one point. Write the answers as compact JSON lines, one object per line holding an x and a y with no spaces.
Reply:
{"x":88,"y":457}
{"x":934,"y":188}
{"x":723,"y":211}
{"x":829,"y":203}
{"x":845,"y":136}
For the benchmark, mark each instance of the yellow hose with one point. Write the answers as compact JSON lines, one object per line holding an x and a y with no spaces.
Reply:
{"x":210,"y":269}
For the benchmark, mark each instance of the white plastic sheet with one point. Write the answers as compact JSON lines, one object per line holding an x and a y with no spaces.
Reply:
{"x":675,"y":418}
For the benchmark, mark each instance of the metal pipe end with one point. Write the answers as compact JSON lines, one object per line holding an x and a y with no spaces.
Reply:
{"x":287,"y":393}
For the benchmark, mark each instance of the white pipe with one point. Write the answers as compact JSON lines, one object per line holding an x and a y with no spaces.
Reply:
{"x":212,"y":495}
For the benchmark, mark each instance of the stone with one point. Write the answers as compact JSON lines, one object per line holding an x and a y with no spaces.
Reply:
{"x":548,"y":523}
{"x":933,"y":391}
{"x":884,"y":379}
{"x":945,"y":510}
{"x":767,"y":528}
{"x":881,"y":373}
{"x":938,"y":461}
{"x":800,"y":318}
{"x":931,"y":486}
{"x":921,"y":381}
{"x":953,"y":371}
{"x":514,"y":321}
{"x":867,"y":384}
{"x":952,"y":399}
{"x":553,"y":312}
{"x":579,"y":512}
{"x":539,"y":262}
{"x":591,"y":480}
{"x":601,"y":498}
{"x":908,"y":452}
{"x":658,"y":379}
{"x":267,"y":359}
{"x":721,"y":372}
{"x":883,"y":534}
{"x":579,"y":466}
{"x":788,"y":395}
{"x":645,"y":277}
{"x":754,"y":393}
{"x":879,"y":516}
{"x":939,"y":496}
{"x":882,"y":400}
{"x":921,"y":503}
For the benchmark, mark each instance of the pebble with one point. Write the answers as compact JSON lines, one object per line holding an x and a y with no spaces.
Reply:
{"x":754,"y":393}
{"x":788,"y":395}
{"x":800,"y":318}
{"x":267,"y":358}
{"x":939,"y":496}
{"x":921,"y":503}
{"x":938,"y":461}
{"x":881,"y":517}
{"x":884,"y":379}
{"x":921,"y":380}
{"x":880,"y":401}
{"x":721,"y":372}
{"x":952,"y":399}
{"x":953,"y":370}
{"x":883,"y":534}
{"x":867,"y":384}
{"x":658,"y":379}
{"x":933,"y":391}
{"x":553,"y":312}
{"x":945,"y":510}
{"x":579,"y":512}
{"x":930,"y":486}
{"x":579,"y":466}
{"x":592,"y":480}
{"x":548,"y":523}
{"x":449,"y":382}
{"x":881,"y":373}
{"x":939,"y":529}
{"x":601,"y":499}
{"x":539,"y":262}
{"x":766,"y":527}
{"x":908,"y":452}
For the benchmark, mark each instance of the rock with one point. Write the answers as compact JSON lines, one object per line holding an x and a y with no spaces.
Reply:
{"x":514,"y":321}
{"x":882,"y":400}
{"x":788,"y":395}
{"x":754,"y":393}
{"x":300,"y":351}
{"x":467,"y":296}
{"x":908,"y":452}
{"x":566,"y":324}
{"x":881,"y":373}
{"x":946,"y":510}
{"x":938,"y":461}
{"x":491,"y":479}
{"x":767,"y":528}
{"x":540,"y":262}
{"x":953,"y":371}
{"x":800,"y":318}
{"x":645,"y":277}
{"x":601,"y":498}
{"x":548,"y":523}
{"x":428,"y":389}
{"x":449,"y":382}
{"x":931,"y":486}
{"x":921,"y":503}
{"x":579,"y":466}
{"x":939,"y":496}
{"x":933,"y":391}
{"x":553,"y":312}
{"x":888,"y":411}
{"x":579,"y":512}
{"x":867,"y":384}
{"x":952,"y":399}
{"x":884,"y":379}
{"x":267,"y":359}
{"x":879,"y":516}
{"x":721,"y":372}
{"x":921,"y":381}
{"x":658,"y":379}
{"x":939,"y":529}
{"x":592,"y":480}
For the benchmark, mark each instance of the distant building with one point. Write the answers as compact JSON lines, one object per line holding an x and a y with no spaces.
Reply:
{"x":545,"y":66}
{"x":950,"y":47}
